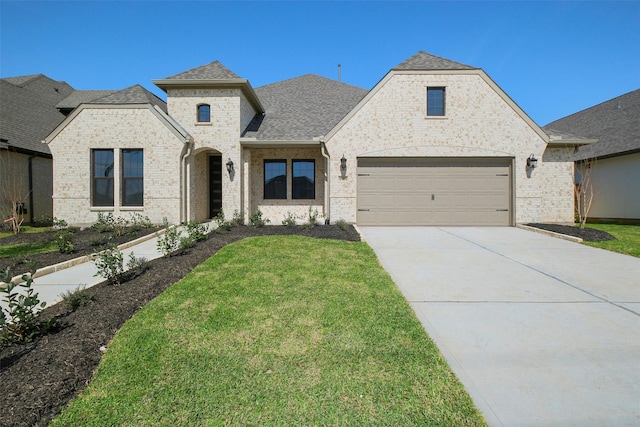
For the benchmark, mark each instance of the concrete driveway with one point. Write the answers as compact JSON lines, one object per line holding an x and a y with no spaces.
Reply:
{"x":541,"y":331}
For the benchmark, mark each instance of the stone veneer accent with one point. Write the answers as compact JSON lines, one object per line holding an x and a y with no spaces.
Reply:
{"x":116,"y":128}
{"x":392,"y":121}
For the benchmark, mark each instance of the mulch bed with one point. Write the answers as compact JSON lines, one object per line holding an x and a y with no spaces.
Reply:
{"x":85,"y":242}
{"x":587,"y":234}
{"x":39,"y":378}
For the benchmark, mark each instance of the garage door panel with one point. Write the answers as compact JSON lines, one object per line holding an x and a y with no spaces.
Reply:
{"x":434,"y":192}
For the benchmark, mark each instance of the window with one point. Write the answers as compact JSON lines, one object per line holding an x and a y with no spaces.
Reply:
{"x":204,"y":113}
{"x":275,"y":179}
{"x":132,"y":177}
{"x":102,"y":177}
{"x":303,"y":183}
{"x":435,"y":101}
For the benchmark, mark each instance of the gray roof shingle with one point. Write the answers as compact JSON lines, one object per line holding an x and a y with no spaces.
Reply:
{"x":614,"y":123}
{"x":78,"y":97}
{"x":135,"y":94}
{"x":425,"y":61}
{"x":28,"y":110}
{"x":212,"y":71}
{"x":302,"y":108}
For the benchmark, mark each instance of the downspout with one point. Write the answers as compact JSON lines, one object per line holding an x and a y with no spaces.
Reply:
{"x":30,"y":167}
{"x":327,"y":188}
{"x":185,"y":184}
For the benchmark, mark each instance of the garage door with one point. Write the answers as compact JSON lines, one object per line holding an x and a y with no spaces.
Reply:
{"x":441,"y":191}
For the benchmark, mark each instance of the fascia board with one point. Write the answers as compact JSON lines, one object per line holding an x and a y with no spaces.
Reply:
{"x":242,"y":84}
{"x":254,"y":143}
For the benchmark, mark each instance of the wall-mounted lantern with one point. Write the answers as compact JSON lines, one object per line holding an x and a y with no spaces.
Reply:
{"x":230,"y":167}
{"x":532,"y":162}
{"x":343,"y":166}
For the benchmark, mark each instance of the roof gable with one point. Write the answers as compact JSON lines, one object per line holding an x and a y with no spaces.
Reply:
{"x":614,"y":123}
{"x":302,"y":108}
{"x":425,"y":61}
{"x":212,"y":71}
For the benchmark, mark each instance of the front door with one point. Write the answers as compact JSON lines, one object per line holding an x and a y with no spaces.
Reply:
{"x":215,"y":185}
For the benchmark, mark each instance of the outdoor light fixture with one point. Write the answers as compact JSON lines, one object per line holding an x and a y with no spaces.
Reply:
{"x":532,"y":162}
{"x":230,"y":166}
{"x":343,"y":166}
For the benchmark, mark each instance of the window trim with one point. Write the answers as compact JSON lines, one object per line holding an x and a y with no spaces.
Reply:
{"x":95,"y":179}
{"x":264,"y":179}
{"x":124,"y":179}
{"x":293,"y":177}
{"x":198,"y":107}
{"x":443,"y":89}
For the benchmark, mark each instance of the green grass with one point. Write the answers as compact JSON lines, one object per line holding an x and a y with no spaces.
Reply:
{"x":282,"y":330}
{"x":21,"y":249}
{"x":628,"y":238}
{"x":25,"y":229}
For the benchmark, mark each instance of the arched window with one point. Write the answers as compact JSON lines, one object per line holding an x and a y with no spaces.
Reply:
{"x":204,"y":113}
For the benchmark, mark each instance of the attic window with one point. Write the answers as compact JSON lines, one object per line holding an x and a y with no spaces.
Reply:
{"x":204,"y":113}
{"x":435,"y":101}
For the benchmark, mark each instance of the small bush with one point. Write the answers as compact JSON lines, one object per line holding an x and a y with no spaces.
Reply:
{"x":238,"y":218}
{"x":110,"y":264}
{"x":77,"y":298}
{"x":19,"y":321}
{"x":221,"y":223}
{"x":312,"y":219}
{"x":342,"y":224}
{"x":256,"y":219}
{"x":100,"y":240}
{"x":104,"y":223}
{"x":64,"y":240}
{"x":139,"y":222}
{"x":289,"y":220}
{"x":170,"y":240}
{"x":186,"y":242}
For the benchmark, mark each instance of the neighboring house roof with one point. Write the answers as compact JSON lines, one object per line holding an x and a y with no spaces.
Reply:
{"x":135,"y":94}
{"x":425,"y":61}
{"x":615,"y":124}
{"x":28,"y":111}
{"x":78,"y":97}
{"x":302,"y":108}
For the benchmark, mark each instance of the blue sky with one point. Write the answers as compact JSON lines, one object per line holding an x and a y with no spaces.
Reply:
{"x":552,"y":58}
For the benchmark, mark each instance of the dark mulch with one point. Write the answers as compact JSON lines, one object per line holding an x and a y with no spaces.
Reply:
{"x":85,"y":242}
{"x":38,"y":379}
{"x":587,"y":234}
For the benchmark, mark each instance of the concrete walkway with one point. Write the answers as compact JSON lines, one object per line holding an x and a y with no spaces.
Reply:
{"x":541,"y":331}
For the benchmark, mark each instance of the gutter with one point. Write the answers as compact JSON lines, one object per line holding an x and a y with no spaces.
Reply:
{"x":327,"y":187}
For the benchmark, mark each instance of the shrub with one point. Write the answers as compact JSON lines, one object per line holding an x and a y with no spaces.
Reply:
{"x":289,"y":220}
{"x":256,"y":219}
{"x":59,"y":224}
{"x":110,"y":264}
{"x":312,"y":219}
{"x":75,"y":299}
{"x":342,"y":224}
{"x":170,"y":240}
{"x":19,"y":321}
{"x":221,"y":223}
{"x":238,"y":218}
{"x":104,"y":223}
{"x":139,"y":222}
{"x":64,"y":240}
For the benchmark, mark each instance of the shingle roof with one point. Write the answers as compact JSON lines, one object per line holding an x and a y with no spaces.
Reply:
{"x":28,"y":110}
{"x":614,"y":123}
{"x":302,"y":108}
{"x":212,"y":71}
{"x":425,"y":61}
{"x":78,"y":97}
{"x":135,"y":94}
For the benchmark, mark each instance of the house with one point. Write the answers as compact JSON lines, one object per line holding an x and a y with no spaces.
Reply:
{"x":27,"y":115}
{"x":614,"y":126}
{"x":435,"y":142}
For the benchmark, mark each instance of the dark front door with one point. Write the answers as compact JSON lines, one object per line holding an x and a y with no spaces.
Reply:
{"x":215,"y":185}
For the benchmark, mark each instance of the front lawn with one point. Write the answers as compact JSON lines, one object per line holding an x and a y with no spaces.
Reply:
{"x":20,"y":249}
{"x":277,"y":330}
{"x":628,"y":238}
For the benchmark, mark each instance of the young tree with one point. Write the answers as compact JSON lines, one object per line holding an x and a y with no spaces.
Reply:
{"x":584,"y":190}
{"x":13,"y":190}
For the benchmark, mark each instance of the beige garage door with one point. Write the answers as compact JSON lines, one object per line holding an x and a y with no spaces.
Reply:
{"x":444,"y":191}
